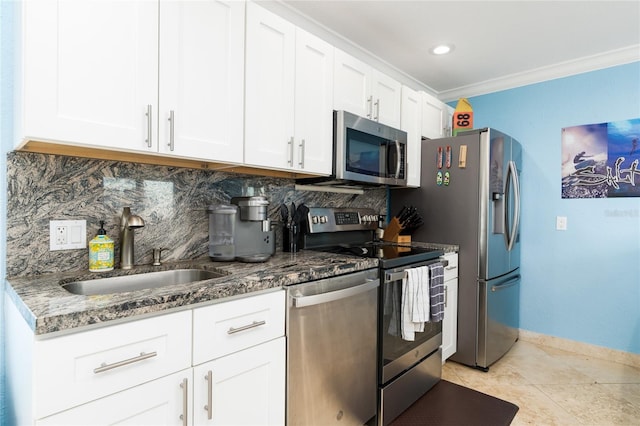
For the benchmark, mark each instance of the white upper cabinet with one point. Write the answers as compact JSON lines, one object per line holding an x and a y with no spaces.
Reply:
{"x":288,"y":111}
{"x":313,"y":103}
{"x":411,"y":114}
{"x":90,"y":72}
{"x":110,"y":74}
{"x":201,"y":79}
{"x":436,"y":117}
{"x":364,"y":91}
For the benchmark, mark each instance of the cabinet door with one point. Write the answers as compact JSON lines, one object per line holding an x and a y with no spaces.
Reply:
{"x":387,"y":97}
{"x":411,"y":123}
{"x":201,"y":79}
{"x":163,"y":401}
{"x":76,"y":368}
{"x":91,"y":72}
{"x":313,"y":104}
{"x":450,"y":320}
{"x":352,"y":85}
{"x":269,"y":108}
{"x":434,"y":117}
{"x":244,"y":388}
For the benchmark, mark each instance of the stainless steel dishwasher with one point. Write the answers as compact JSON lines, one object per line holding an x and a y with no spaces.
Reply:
{"x":331,"y":350}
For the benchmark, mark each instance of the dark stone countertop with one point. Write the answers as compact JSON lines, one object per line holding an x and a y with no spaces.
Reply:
{"x":446,"y":248}
{"x":48,"y":308}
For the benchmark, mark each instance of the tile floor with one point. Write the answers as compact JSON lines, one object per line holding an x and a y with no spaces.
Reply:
{"x":556,"y":387}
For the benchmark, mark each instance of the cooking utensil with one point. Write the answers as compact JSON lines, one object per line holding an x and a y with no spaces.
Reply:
{"x":284,"y":214}
{"x":302,"y":211}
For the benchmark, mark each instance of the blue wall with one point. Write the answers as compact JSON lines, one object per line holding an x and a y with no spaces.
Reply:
{"x":582,"y":284}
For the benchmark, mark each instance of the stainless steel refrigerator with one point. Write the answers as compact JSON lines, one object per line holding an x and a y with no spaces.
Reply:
{"x":469,"y":195}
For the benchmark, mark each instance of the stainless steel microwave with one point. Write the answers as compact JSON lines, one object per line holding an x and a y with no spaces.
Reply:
{"x":366,"y":151}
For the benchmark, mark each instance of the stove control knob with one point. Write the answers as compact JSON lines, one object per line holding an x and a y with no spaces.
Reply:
{"x":315,"y":219}
{"x":374,"y":218}
{"x":323,"y":219}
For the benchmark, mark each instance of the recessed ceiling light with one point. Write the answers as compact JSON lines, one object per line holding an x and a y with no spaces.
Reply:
{"x":441,"y":49}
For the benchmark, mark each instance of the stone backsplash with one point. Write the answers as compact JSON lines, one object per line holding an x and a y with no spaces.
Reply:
{"x":172,"y":201}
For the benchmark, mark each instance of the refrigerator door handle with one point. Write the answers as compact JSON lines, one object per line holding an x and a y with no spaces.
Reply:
{"x":512,"y":180}
{"x":506,"y":284}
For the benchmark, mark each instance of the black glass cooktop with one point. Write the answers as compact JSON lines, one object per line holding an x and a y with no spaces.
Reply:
{"x":389,"y":255}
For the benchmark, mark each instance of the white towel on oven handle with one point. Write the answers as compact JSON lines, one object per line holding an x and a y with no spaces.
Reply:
{"x":415,"y":301}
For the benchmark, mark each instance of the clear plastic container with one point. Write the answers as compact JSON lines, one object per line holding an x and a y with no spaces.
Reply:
{"x":222,"y":220}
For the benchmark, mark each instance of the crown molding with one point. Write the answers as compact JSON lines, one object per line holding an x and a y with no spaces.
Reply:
{"x":563,"y":69}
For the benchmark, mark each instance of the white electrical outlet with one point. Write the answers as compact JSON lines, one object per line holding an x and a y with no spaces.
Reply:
{"x":561,"y":223}
{"x":67,"y":234}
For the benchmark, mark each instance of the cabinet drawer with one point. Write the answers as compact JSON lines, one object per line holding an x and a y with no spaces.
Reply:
{"x":451,"y":270}
{"x":81,"y":367}
{"x":159,"y":402}
{"x":228,"y":327}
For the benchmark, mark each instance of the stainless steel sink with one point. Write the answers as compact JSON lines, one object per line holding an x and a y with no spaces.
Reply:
{"x":139,"y":281}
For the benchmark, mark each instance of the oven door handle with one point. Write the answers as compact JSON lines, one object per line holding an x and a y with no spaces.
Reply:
{"x":317,"y":299}
{"x":400,"y":275}
{"x":395,"y":276}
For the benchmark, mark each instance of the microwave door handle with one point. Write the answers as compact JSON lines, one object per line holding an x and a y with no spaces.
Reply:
{"x":398,"y":158}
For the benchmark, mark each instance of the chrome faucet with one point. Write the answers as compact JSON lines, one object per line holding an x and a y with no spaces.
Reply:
{"x":128,"y":223}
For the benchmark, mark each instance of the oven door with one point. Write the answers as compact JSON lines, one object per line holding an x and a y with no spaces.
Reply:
{"x":396,"y":354}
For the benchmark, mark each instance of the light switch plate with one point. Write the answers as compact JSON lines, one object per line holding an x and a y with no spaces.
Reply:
{"x":561,"y":223}
{"x":67,"y":234}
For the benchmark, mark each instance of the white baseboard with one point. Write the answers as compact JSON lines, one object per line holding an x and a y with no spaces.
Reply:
{"x":600,"y":352}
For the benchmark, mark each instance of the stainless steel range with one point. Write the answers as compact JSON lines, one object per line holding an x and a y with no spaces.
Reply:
{"x":406,"y":369}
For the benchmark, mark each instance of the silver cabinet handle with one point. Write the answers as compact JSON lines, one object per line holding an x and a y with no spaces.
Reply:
{"x":290,"y":144}
{"x":209,"y":406}
{"x":246,"y":327}
{"x":106,"y":367}
{"x":301,"y":162}
{"x":302,"y":301}
{"x":172,"y":126}
{"x":185,"y":402}
{"x":149,"y":127}
{"x":377,"y":104}
{"x":446,"y":294}
{"x":370,"y":102}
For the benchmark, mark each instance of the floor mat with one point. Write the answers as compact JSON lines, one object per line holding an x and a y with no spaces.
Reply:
{"x":448,"y":404}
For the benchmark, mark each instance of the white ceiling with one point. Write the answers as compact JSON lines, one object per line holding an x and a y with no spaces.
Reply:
{"x":498,"y":44}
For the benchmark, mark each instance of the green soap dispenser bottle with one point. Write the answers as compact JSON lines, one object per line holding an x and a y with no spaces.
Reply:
{"x":101,"y":251}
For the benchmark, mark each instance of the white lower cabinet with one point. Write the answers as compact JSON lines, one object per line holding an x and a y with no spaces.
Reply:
{"x":163,"y":401}
{"x":450,"y":320}
{"x":146,"y":372}
{"x":239,"y":353}
{"x":244,"y":388}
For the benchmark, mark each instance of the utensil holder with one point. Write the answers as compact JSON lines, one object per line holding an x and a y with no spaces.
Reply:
{"x":290,"y":238}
